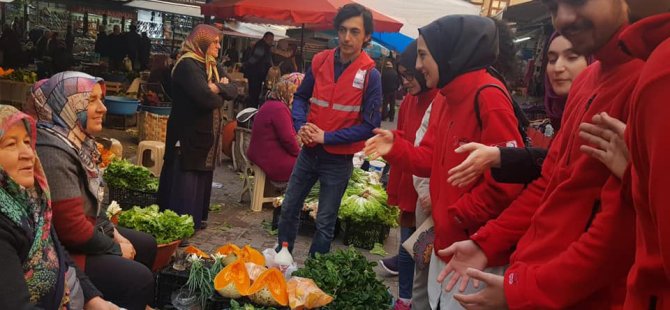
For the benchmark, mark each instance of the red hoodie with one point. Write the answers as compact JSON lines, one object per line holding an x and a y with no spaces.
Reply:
{"x":649,"y":177}
{"x":457,"y":212}
{"x":410,"y":115}
{"x":575,"y":236}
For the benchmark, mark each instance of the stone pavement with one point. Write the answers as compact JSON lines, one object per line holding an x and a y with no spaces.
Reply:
{"x":236,"y":223}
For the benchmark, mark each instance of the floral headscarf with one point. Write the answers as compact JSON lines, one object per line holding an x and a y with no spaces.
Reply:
{"x":284,"y":89}
{"x":195,"y":46}
{"x":30,"y":210}
{"x":60,"y":106}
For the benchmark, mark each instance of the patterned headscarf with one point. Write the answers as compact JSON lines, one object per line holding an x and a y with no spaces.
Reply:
{"x":30,"y":210}
{"x":286,"y":87}
{"x":195,"y":46}
{"x":60,"y":106}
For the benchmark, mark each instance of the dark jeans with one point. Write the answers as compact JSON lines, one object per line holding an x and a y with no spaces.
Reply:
{"x":126,"y":283}
{"x":333,"y":172}
{"x":255,"y":89}
{"x":405,"y":266}
{"x":388,"y":106}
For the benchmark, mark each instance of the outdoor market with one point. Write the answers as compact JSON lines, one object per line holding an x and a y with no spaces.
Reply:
{"x":333,"y":154}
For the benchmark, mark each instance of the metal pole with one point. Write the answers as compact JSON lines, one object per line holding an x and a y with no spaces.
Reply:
{"x":302,"y":47}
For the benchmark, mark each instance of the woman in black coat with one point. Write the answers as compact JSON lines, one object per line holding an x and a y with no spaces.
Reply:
{"x":199,"y":88}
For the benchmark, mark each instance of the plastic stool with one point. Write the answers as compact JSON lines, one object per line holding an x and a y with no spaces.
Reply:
{"x":257,"y":199}
{"x":150,"y":155}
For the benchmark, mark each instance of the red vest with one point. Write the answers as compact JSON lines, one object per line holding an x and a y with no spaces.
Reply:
{"x":337,"y":105}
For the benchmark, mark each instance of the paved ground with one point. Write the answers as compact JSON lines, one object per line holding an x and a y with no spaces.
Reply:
{"x":236,"y":223}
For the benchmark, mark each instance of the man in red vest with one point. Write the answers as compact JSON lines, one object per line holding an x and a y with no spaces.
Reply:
{"x":334,"y":111}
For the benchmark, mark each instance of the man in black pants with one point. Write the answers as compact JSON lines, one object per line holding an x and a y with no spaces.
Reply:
{"x":256,"y":67}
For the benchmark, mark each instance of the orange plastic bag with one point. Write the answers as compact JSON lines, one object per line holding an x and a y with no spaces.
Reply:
{"x":304,"y":294}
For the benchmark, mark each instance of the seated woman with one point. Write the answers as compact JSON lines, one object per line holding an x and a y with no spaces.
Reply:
{"x":69,"y":109}
{"x":36,"y":271}
{"x":273,"y":145}
{"x":523,"y":165}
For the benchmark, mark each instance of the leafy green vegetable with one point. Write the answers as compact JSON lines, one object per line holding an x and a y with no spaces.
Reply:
{"x":349,"y":278}
{"x":366,"y":208}
{"x":122,"y":174}
{"x":166,"y":226}
{"x":200,"y":281}
{"x":378,"y":250}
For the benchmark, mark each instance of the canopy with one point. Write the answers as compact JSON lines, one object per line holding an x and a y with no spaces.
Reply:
{"x":312,"y":14}
{"x":418,"y":13}
{"x":392,"y":40}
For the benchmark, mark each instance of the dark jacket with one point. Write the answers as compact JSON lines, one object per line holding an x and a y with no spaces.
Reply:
{"x":390,"y":80}
{"x":14,"y":248}
{"x":259,"y":61}
{"x":191,"y":118}
{"x":519,"y":165}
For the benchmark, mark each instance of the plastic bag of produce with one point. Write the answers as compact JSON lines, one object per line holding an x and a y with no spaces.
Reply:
{"x":304,"y":294}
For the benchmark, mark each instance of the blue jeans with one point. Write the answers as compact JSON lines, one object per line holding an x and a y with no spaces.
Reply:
{"x":405,"y":266}
{"x":333,"y":172}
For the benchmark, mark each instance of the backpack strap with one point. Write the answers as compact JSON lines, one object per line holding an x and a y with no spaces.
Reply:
{"x":518,"y":112}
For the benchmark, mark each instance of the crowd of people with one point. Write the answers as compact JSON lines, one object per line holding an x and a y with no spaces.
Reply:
{"x":578,"y":225}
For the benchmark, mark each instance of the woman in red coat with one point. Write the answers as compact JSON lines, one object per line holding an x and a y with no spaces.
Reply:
{"x":273,"y":146}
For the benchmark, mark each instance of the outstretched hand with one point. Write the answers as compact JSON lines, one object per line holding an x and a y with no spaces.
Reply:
{"x":607,"y":144}
{"x":379,"y":145}
{"x":464,"y":254}
{"x":481,"y":158}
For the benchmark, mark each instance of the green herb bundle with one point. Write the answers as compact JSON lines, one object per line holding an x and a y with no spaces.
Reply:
{"x":199,"y":281}
{"x":166,"y":226}
{"x":349,"y":278}
{"x":122,"y":174}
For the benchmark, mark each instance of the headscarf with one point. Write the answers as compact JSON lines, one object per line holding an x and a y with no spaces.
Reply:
{"x":60,"y":106}
{"x":461,"y":44}
{"x":195,"y":47}
{"x":286,"y":87}
{"x":554,"y":104}
{"x":30,"y":210}
{"x":408,"y":60}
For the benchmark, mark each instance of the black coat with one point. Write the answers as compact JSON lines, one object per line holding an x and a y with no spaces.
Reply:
{"x":191,"y":118}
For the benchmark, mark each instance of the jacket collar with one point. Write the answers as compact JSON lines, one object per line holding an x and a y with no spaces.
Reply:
{"x":641,"y":38}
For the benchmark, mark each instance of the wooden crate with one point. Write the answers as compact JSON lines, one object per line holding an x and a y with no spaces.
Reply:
{"x":14,"y":93}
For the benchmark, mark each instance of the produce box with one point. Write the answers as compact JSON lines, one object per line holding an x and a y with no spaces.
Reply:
{"x":128,"y":198}
{"x":364,"y":235}
{"x":168,"y":280}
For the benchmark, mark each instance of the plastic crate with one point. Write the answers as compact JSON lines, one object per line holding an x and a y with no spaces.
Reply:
{"x":168,"y":280}
{"x":128,"y":198}
{"x":364,"y":235}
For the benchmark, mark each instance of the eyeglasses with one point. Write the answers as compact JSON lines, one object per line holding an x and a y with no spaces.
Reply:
{"x":408,"y":76}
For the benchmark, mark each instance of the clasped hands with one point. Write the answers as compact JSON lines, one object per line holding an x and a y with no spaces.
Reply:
{"x":310,"y":134}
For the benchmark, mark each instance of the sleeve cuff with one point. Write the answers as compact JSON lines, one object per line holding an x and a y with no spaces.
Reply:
{"x":396,"y":150}
{"x":488,"y":245}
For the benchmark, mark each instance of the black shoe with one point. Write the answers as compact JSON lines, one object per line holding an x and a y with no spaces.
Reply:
{"x":390,"y":265}
{"x":203,"y":225}
{"x":184,"y":243}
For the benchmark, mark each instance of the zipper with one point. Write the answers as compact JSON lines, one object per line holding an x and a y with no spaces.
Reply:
{"x":575,"y":135}
{"x":653,"y":300}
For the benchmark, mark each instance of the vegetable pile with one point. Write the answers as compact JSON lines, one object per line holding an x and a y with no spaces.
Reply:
{"x":364,"y":200}
{"x":166,"y":226}
{"x":124,"y":175}
{"x":349,"y":278}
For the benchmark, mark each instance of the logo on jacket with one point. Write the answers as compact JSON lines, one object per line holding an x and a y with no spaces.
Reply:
{"x":359,"y":79}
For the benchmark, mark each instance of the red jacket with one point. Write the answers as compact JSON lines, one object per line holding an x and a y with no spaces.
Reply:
{"x":458,"y":212}
{"x":337,"y":105}
{"x":575,"y":237}
{"x":647,"y":138}
{"x":273,"y":145}
{"x":410,"y":115}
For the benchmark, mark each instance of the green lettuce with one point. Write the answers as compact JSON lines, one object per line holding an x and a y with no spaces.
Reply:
{"x":122,"y":174}
{"x":166,"y":226}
